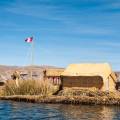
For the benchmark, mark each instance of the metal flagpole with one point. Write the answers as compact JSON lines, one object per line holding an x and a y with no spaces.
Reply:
{"x":32,"y":59}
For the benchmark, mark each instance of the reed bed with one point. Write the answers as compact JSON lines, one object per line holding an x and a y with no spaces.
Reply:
{"x":87,"y":92}
{"x":29,"y":87}
{"x":42,"y":92}
{"x":85,"y":100}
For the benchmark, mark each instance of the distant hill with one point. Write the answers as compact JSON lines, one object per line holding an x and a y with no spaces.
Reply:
{"x":7,"y":71}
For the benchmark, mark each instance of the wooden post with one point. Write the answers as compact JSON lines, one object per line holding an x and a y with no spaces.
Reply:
{"x":107,"y":85}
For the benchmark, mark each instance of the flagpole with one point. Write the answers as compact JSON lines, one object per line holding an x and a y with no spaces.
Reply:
{"x":31,"y":41}
{"x":32,"y":59}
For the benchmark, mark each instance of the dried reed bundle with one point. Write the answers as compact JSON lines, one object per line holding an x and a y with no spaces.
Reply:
{"x":29,"y":87}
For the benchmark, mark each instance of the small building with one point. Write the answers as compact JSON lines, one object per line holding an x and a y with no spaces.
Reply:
{"x":53,"y":75}
{"x":99,"y":76}
{"x":26,"y":75}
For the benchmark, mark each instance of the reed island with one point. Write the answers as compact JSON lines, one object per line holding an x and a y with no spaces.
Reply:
{"x":92,"y":84}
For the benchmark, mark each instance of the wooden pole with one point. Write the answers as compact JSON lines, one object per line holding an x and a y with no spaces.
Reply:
{"x":107,"y":85}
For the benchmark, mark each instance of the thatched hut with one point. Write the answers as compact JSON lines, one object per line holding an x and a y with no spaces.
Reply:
{"x":53,"y":75}
{"x":98,"y":76}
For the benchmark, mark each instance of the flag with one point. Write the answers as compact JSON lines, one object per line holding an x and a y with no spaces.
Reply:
{"x":29,"y":39}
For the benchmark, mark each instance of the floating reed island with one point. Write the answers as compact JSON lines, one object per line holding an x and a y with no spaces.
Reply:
{"x":44,"y":92}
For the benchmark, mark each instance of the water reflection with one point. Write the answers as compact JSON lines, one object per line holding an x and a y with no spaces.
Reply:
{"x":86,"y":112}
{"x":29,"y":111}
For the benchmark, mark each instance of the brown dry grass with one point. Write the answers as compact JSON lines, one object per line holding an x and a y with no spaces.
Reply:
{"x":29,"y":87}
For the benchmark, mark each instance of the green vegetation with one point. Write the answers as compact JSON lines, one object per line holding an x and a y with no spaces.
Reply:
{"x":29,"y":87}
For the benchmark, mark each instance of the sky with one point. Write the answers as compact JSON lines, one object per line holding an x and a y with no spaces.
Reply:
{"x":64,"y":32}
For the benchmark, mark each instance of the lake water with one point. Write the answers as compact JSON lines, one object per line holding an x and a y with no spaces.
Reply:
{"x":29,"y":111}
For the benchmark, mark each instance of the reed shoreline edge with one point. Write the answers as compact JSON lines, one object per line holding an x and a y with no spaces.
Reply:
{"x":75,"y":100}
{"x":45,"y":92}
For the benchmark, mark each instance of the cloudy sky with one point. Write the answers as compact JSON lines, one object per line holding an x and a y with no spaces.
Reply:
{"x":64,"y":31}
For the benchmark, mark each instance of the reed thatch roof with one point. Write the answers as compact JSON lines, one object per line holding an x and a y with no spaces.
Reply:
{"x":102,"y":69}
{"x":54,"y":72}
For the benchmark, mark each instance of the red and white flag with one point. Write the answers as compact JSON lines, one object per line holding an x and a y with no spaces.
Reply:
{"x":29,"y":39}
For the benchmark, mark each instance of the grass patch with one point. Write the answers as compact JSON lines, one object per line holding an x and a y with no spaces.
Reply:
{"x":88,"y":93}
{"x":29,"y":87}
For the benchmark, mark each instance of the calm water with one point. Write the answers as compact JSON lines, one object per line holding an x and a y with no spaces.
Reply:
{"x":28,"y":111}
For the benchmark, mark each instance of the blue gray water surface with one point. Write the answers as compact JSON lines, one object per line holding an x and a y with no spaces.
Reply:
{"x":29,"y":111}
